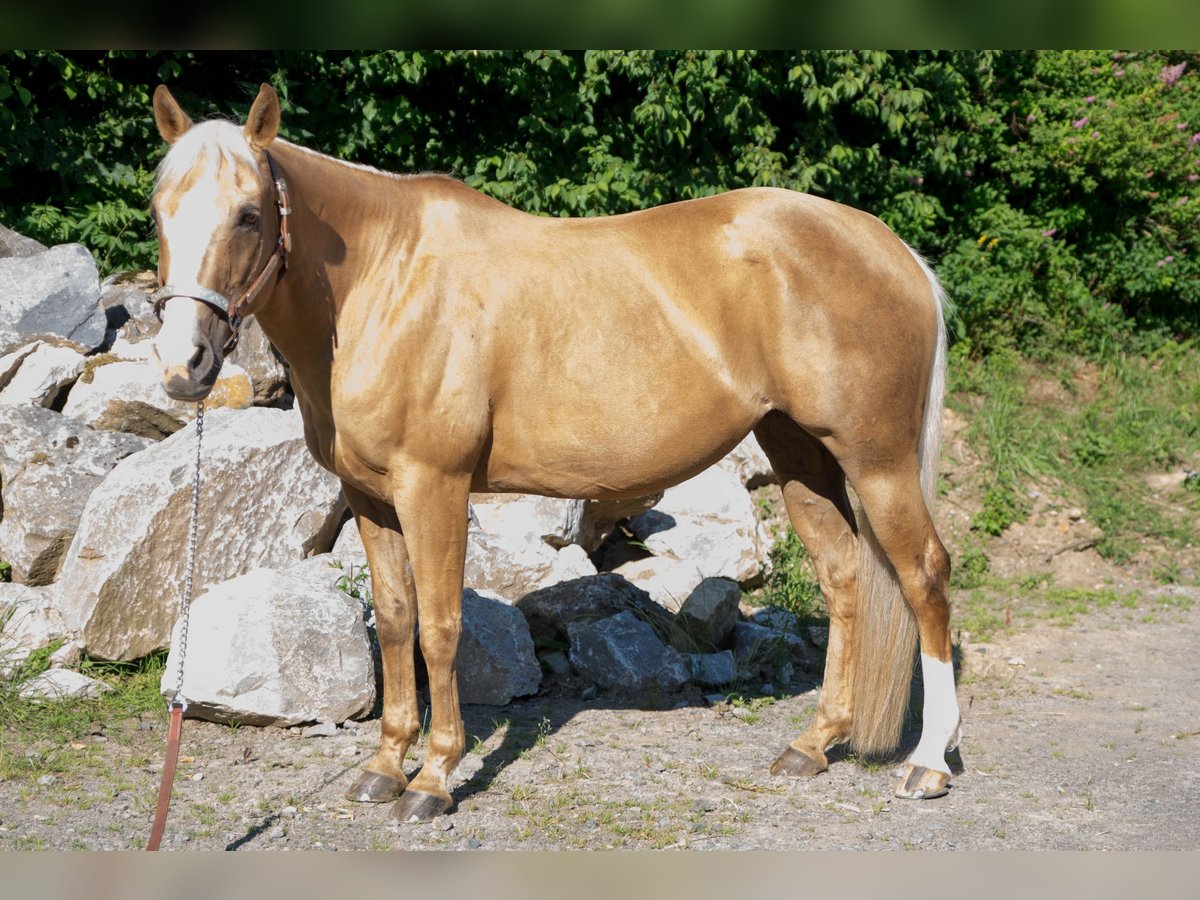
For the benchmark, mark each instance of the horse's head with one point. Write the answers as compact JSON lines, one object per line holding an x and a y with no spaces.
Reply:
{"x":219,"y":212}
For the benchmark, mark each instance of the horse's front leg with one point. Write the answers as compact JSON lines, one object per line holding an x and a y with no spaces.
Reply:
{"x":433,"y":513}
{"x":382,"y":778}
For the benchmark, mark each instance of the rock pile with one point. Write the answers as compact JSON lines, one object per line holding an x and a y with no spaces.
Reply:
{"x":95,"y":480}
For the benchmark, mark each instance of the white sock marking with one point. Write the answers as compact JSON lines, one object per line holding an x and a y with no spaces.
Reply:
{"x":940,"y":720}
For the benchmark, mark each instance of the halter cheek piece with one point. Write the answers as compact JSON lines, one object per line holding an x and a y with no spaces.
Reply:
{"x":232,"y":312}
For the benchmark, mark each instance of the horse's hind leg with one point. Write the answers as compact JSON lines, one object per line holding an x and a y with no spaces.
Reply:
{"x":383,"y":778}
{"x":893,"y":503}
{"x":814,"y":491}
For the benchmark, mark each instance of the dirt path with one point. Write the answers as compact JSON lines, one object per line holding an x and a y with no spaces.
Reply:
{"x":1075,"y":749}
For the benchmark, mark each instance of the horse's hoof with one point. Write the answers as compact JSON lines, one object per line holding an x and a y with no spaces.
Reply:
{"x":920,"y":783}
{"x":415,"y":806}
{"x":374,"y":787}
{"x":796,"y":762}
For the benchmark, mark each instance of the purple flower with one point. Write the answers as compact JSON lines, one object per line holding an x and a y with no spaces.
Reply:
{"x":1079,"y":123}
{"x":1119,"y":73}
{"x":1193,"y":177}
{"x":1030,"y":117}
{"x":1091,"y":99}
{"x":1095,"y":134}
{"x":1195,"y":139}
{"x":1050,"y":232}
{"x":1171,"y":74}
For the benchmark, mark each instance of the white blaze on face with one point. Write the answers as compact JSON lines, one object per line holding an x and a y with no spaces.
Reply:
{"x":181,"y":333}
{"x":940,"y":718}
{"x":190,"y":228}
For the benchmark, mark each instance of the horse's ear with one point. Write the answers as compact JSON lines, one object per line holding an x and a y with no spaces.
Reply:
{"x":263,"y":122}
{"x":169,"y":116}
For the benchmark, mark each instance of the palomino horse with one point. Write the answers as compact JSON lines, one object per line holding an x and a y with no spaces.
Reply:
{"x":437,"y":340}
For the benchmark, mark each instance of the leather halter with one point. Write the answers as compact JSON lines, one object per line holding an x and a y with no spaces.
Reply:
{"x":233,"y":312}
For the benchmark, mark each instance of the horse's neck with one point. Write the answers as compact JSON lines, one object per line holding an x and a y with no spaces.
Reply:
{"x":335,"y":210}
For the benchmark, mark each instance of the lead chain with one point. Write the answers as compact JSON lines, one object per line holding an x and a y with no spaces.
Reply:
{"x":190,"y":563}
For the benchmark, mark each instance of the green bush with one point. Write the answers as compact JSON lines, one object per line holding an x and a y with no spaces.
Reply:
{"x":1055,"y":192}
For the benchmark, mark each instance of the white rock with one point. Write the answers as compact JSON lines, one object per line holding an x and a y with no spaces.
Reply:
{"x":126,"y":395}
{"x":529,"y":517}
{"x":349,"y":546}
{"x":10,"y":362}
{"x":748,"y":462}
{"x":668,"y":581}
{"x":49,"y":465}
{"x":29,"y":621}
{"x":42,"y":375}
{"x":271,"y":648}
{"x":67,"y":656}
{"x":60,"y":684}
{"x":508,"y":565}
{"x":264,"y":503}
{"x":29,"y":615}
{"x":709,"y":522}
{"x":569,"y":563}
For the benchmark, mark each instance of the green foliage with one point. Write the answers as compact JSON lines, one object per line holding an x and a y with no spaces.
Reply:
{"x":1132,"y":415}
{"x":355,"y":581}
{"x":27,"y":727}
{"x":793,"y":584}
{"x":1056,"y":193}
{"x":970,"y":569}
{"x":5,"y":570}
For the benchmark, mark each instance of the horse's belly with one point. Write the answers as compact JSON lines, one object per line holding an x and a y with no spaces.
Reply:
{"x":597,"y":450}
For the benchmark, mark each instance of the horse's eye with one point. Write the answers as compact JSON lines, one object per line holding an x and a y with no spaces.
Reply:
{"x":249,"y":218}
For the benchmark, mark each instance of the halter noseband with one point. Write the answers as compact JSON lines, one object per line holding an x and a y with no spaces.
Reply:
{"x":232,"y":312}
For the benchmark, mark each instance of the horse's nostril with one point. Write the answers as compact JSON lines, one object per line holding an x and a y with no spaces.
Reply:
{"x":197,"y":358}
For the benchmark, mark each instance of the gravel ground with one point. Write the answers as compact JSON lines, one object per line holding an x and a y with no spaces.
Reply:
{"x":1078,"y":737}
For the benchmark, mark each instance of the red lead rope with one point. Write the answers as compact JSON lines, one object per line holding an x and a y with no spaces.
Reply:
{"x":177,"y":703}
{"x":174,"y":730}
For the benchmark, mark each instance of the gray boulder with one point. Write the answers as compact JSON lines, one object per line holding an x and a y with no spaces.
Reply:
{"x":552,"y":610}
{"x":710,"y":612}
{"x":13,"y":244}
{"x":255,"y":356}
{"x":713,"y":669}
{"x":54,"y":294}
{"x":272,"y":648}
{"x":773,"y":617}
{"x":264,"y":503}
{"x":496,"y":660}
{"x":49,"y":466}
{"x":762,"y":652}
{"x":623,"y":652}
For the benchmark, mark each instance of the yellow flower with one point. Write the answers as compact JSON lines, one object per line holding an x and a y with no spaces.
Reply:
{"x":992,"y":243}
{"x":983,"y":237}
